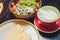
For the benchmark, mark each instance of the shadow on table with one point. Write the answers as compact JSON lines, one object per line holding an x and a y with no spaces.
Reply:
{"x":52,"y":35}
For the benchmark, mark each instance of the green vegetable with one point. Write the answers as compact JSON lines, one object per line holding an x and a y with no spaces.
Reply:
{"x":32,"y":2}
{"x":20,"y":6}
{"x":24,"y":2}
{"x":23,"y":7}
{"x":12,"y":3}
{"x":15,"y":12}
{"x":32,"y":6}
{"x":29,"y":4}
{"x":22,"y":13}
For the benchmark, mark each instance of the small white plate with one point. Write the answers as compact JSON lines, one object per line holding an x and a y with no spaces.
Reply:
{"x":6,"y":27}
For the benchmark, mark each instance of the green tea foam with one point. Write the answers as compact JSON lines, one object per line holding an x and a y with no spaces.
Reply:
{"x":48,"y":14}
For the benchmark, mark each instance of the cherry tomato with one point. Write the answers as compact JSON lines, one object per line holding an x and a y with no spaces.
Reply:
{"x":13,"y":8}
{"x":26,"y":12}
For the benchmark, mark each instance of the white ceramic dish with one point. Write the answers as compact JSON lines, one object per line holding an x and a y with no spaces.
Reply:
{"x":6,"y":27}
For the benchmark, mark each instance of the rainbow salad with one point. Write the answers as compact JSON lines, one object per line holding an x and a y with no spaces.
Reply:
{"x":24,"y":7}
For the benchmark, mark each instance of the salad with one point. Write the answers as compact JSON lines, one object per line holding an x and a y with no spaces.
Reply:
{"x":24,"y":7}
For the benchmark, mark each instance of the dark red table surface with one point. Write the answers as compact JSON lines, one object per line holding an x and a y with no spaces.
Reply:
{"x":43,"y":36}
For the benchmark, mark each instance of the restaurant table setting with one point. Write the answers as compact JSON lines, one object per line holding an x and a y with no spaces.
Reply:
{"x":30,"y":20}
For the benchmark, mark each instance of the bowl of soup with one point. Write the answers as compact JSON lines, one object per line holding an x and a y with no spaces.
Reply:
{"x":24,"y":9}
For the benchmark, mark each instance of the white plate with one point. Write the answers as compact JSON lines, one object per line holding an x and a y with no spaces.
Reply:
{"x":8,"y":25}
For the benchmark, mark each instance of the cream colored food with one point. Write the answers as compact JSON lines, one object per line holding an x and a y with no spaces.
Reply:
{"x":1,"y":6}
{"x":18,"y":33}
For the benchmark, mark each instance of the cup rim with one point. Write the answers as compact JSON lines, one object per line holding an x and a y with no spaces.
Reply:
{"x":57,"y":12}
